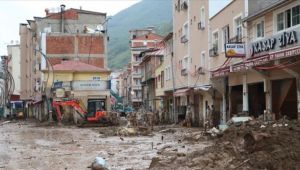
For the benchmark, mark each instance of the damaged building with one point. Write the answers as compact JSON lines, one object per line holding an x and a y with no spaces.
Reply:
{"x":265,"y":82}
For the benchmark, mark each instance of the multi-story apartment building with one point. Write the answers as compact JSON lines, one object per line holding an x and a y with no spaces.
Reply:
{"x":140,"y":40}
{"x":266,"y":81}
{"x":225,"y":27}
{"x":70,"y":34}
{"x":190,"y":29}
{"x":169,"y":81}
{"x":152,"y":61}
{"x":14,"y":65}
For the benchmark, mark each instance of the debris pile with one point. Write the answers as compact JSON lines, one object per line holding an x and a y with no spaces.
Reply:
{"x":249,"y":145}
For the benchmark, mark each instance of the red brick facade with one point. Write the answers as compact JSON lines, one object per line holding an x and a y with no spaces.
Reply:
{"x":91,"y":45}
{"x":98,"y":62}
{"x":69,"y":14}
{"x":60,"y":44}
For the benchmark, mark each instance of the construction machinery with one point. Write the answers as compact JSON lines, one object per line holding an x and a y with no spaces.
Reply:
{"x":96,"y":112}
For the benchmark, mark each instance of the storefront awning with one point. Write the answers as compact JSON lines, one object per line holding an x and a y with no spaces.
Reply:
{"x":181,"y":92}
{"x":203,"y":87}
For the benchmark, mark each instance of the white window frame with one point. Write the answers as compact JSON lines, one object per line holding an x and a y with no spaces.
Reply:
{"x":213,"y":39}
{"x":185,"y":62}
{"x":223,"y":36}
{"x":185,"y":32}
{"x":202,"y":16}
{"x":203,"y":60}
{"x":276,"y":12}
{"x":255,"y":23}
{"x":235,"y":25}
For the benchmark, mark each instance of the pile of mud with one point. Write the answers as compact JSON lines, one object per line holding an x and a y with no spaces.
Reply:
{"x":255,"y":145}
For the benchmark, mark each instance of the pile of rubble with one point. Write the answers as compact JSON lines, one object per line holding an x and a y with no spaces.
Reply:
{"x":253,"y":144}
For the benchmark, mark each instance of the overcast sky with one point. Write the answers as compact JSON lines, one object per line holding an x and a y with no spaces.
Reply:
{"x":14,"y":12}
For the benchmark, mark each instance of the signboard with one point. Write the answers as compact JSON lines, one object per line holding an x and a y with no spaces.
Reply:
{"x":252,"y":62}
{"x":60,"y":93}
{"x":235,"y":50}
{"x":91,"y":85}
{"x":277,"y":42}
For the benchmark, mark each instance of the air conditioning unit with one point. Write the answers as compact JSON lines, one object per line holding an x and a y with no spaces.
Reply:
{"x":200,"y":70}
{"x":213,"y":52}
{"x":201,"y":26}
{"x":183,"y":39}
{"x":184,"y":72}
{"x":183,"y":5}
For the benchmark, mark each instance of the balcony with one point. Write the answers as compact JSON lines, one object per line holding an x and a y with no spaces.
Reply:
{"x":236,"y":39}
{"x":137,"y":74}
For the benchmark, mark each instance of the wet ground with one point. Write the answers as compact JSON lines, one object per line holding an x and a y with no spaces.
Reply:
{"x":24,"y":145}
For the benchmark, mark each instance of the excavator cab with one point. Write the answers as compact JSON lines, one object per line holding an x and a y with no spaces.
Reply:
{"x":96,"y":110}
{"x":95,"y":105}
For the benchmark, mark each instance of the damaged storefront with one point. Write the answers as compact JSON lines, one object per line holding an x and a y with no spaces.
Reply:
{"x":266,"y":83}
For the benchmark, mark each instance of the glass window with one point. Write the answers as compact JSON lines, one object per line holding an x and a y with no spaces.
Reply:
{"x":296,"y":15}
{"x":260,"y":29}
{"x":288,"y":18}
{"x":238,"y":24}
{"x":202,"y":17}
{"x":215,"y":40}
{"x":225,"y":39}
{"x":280,"y":21}
{"x":203,"y":60}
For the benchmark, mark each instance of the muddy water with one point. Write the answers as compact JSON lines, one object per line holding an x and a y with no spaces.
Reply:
{"x":25,"y":146}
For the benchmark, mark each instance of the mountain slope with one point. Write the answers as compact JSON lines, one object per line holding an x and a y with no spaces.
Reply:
{"x":146,"y":13}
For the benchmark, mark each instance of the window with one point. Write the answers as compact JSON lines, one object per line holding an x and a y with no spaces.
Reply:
{"x":225,"y":36}
{"x":162,"y":79}
{"x":185,"y":63}
{"x":288,"y":18}
{"x":238,"y":29}
{"x":202,"y":18}
{"x":168,"y":73}
{"x":280,"y":22}
{"x":202,"y":62}
{"x":96,"y":78}
{"x":215,"y":41}
{"x":184,"y":37}
{"x":260,"y":31}
{"x":296,"y":15}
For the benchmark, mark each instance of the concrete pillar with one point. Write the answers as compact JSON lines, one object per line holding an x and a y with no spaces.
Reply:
{"x":298,"y":96}
{"x":268,"y":94}
{"x":224,"y":109}
{"x":245,"y":95}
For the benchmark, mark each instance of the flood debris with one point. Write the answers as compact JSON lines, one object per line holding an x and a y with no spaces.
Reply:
{"x":5,"y":122}
{"x":251,"y":144}
{"x":99,"y":164}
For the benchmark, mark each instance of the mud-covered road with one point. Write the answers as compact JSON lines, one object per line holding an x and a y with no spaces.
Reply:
{"x":24,"y":145}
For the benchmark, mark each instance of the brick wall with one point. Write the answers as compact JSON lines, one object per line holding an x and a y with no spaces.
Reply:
{"x":69,"y":14}
{"x":90,"y":45}
{"x":98,"y":62}
{"x":60,"y":44}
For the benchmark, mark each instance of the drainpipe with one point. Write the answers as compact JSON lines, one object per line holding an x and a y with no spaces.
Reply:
{"x":62,"y":9}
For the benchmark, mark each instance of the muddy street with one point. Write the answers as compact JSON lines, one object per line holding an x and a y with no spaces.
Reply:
{"x":24,"y":145}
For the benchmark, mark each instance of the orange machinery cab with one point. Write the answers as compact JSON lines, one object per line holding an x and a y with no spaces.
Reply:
{"x":96,"y":110}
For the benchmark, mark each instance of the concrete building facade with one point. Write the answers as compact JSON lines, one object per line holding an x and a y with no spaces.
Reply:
{"x":67,"y":35}
{"x":140,"y":40}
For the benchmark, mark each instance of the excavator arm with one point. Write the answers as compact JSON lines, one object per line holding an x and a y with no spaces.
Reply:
{"x":74,"y":103}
